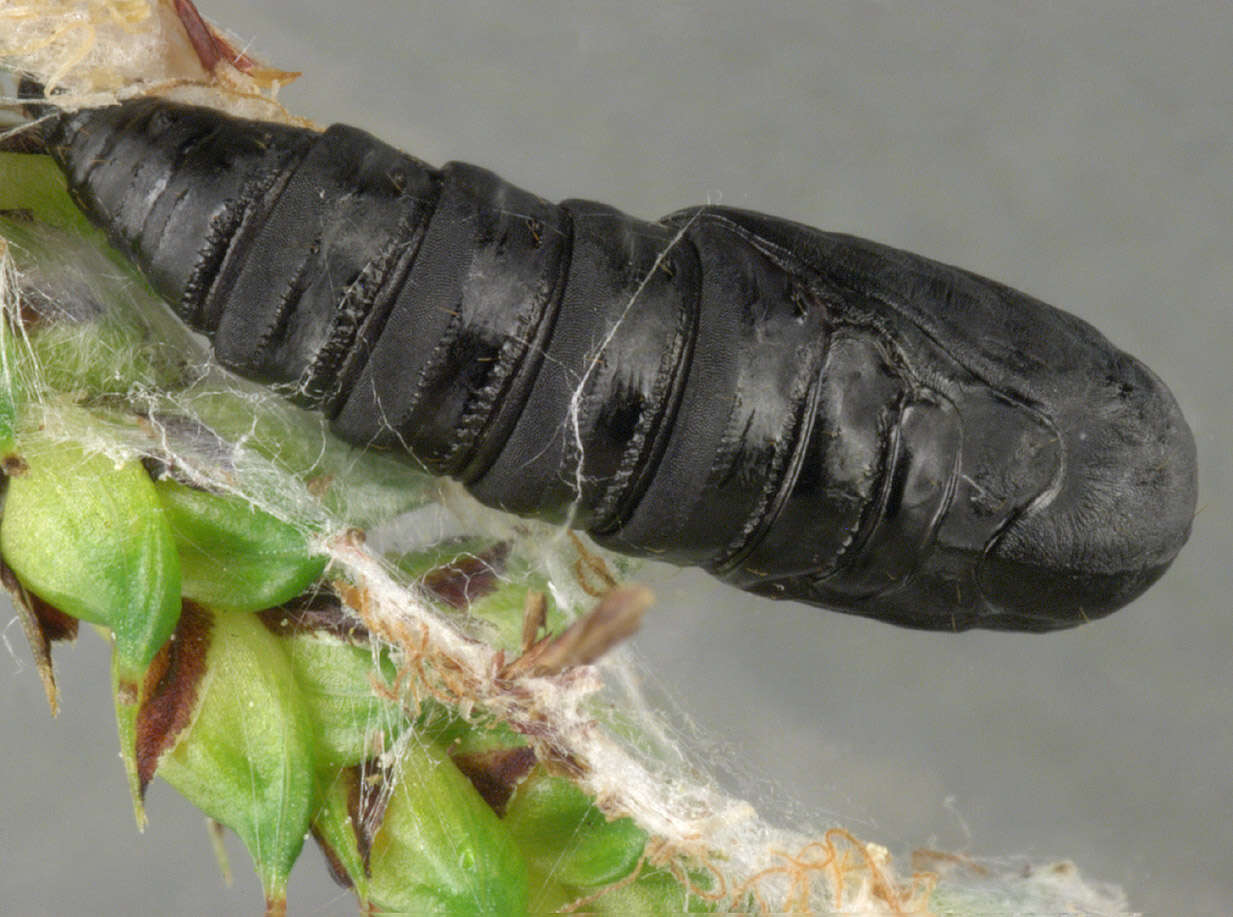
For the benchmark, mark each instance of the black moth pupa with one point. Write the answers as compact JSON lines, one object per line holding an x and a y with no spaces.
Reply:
{"x":806,"y":415}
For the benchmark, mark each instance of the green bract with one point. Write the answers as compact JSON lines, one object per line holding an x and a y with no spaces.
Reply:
{"x":336,"y":682}
{"x":440,"y":848}
{"x":233,"y":556}
{"x":248,"y":758}
{"x":566,"y":838}
{"x":89,"y":536}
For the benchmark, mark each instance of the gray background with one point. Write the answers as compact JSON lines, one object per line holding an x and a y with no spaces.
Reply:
{"x":1082,"y":152}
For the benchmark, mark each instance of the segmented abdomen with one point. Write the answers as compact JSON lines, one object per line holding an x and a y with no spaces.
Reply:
{"x":807,"y":415}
